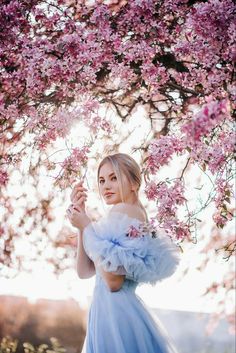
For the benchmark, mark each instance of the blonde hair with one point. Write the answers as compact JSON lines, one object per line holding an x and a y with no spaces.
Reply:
{"x":124,"y":164}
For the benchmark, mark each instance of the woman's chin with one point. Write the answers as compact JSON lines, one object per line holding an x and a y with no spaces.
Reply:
{"x":109,"y":202}
{"x":112,"y":201}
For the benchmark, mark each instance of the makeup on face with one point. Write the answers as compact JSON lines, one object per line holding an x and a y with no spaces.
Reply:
{"x":109,"y":185}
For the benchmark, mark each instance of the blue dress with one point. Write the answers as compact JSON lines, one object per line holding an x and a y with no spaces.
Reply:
{"x":120,"y":322}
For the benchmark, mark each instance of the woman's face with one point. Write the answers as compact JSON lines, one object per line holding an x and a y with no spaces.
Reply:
{"x":109,"y":187}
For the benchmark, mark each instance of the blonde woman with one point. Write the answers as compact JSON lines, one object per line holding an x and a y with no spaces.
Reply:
{"x":122,"y":251}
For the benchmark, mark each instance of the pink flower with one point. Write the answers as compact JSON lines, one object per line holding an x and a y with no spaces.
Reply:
{"x":3,"y":177}
{"x":133,"y":232}
{"x":144,"y":229}
{"x":151,"y":190}
{"x":221,"y":217}
{"x":2,"y":231}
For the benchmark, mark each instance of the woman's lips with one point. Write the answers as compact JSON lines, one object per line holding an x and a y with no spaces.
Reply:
{"x":110,"y":194}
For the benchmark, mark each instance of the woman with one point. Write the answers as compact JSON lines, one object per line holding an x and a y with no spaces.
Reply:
{"x":123,"y":251}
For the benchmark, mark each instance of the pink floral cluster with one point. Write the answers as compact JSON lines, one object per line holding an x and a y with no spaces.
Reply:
{"x":154,"y":76}
{"x":168,"y":198}
{"x":162,"y":150}
{"x":3,"y":177}
{"x":208,"y":38}
{"x":48,"y":127}
{"x":72,"y":167}
{"x":223,"y":196}
{"x":215,"y":154}
{"x":109,"y":48}
{"x":88,"y":112}
{"x":168,"y":195}
{"x":144,"y":229}
{"x":177,"y":229}
{"x":209,"y":117}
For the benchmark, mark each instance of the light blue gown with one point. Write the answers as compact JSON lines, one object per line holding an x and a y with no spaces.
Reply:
{"x":120,"y":322}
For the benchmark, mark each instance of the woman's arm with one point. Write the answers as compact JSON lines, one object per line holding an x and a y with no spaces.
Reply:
{"x":85,"y":266}
{"x":79,"y":219}
{"x":113,"y":281}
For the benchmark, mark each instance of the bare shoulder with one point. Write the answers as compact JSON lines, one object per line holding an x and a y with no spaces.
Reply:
{"x":133,"y":211}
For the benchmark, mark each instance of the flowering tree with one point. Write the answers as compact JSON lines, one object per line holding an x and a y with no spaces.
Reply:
{"x":70,"y":62}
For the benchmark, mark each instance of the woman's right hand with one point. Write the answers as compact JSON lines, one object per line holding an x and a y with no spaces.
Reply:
{"x":78,"y":195}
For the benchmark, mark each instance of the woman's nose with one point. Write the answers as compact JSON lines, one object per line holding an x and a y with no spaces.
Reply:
{"x":106,"y":185}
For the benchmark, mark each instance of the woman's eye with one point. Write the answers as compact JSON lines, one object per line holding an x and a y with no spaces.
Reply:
{"x":101,"y":181}
{"x":113,"y":178}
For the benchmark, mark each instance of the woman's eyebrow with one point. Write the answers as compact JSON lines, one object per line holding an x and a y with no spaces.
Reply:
{"x":108,"y":175}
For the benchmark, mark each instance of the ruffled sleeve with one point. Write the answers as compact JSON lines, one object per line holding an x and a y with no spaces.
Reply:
{"x":142,"y":258}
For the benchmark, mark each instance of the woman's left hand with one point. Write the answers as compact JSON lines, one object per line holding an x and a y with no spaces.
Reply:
{"x":77,"y":216}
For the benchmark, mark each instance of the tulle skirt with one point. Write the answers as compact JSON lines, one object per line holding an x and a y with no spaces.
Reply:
{"x":120,"y":322}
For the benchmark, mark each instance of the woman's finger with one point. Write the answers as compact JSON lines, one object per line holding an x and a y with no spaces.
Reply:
{"x":78,"y":208}
{"x":78,"y":196}
{"x":77,"y":190}
{"x":81,"y":189}
{"x":69,"y":215}
{"x":79,"y":184}
{"x":74,"y":191}
{"x":76,"y":200}
{"x":71,"y":209}
{"x":68,"y":210}
{"x":81,"y":203}
{"x":73,"y":215}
